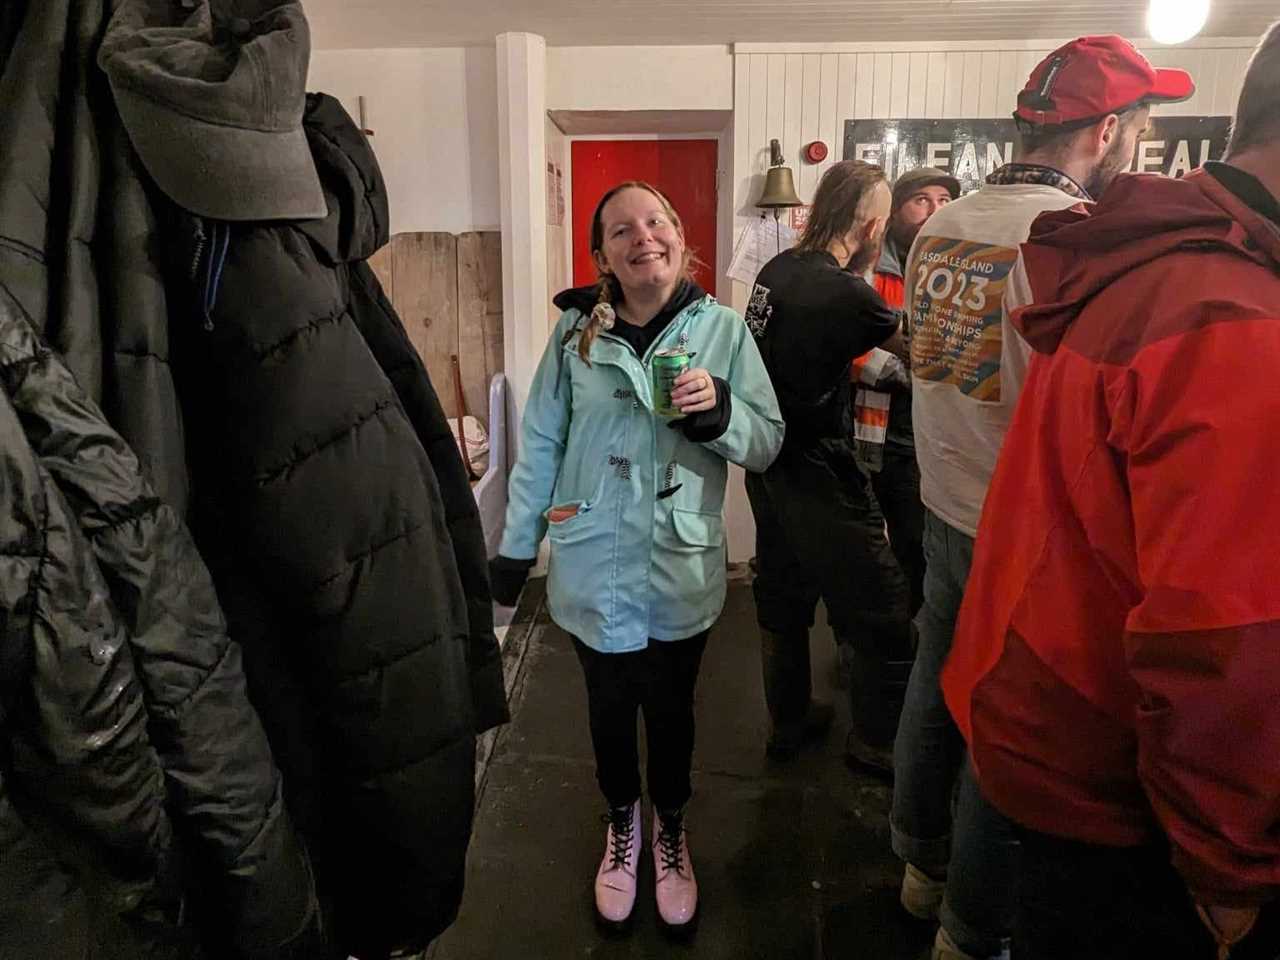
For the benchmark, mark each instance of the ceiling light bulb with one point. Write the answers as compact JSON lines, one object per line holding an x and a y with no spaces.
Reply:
{"x":1176,"y":21}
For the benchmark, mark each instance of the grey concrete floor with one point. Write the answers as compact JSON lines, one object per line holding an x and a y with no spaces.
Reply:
{"x":793,"y":860}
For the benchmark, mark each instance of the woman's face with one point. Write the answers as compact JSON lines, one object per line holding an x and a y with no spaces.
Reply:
{"x":643,"y":248}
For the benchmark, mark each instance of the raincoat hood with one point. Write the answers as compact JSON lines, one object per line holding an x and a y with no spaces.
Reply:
{"x":1073,"y":254}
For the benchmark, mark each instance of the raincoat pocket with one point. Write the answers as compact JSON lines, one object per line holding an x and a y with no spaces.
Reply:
{"x":697,"y":529}
{"x":575,"y":528}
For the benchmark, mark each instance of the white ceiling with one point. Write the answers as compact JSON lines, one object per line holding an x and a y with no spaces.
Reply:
{"x":441,"y":23}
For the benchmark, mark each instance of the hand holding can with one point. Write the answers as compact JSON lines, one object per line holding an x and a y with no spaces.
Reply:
{"x":695,"y":391}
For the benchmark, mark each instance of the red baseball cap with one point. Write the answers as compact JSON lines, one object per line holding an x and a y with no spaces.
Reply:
{"x":1091,"y":77}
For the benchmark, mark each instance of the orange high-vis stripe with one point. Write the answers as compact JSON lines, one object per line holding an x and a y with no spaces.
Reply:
{"x":871,"y":415}
{"x":892,"y":290}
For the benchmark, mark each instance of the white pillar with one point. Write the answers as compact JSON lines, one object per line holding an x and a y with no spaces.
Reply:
{"x":522,"y":111}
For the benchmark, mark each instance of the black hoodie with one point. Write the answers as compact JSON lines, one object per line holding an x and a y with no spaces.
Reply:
{"x":334,"y":511}
{"x":698,"y":427}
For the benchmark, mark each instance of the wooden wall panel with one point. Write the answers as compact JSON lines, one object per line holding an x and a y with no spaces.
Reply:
{"x":479,"y":317}
{"x":425,"y":272}
{"x":380,"y":263}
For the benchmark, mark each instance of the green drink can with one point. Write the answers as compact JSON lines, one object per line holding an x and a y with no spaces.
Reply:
{"x":667,"y":366}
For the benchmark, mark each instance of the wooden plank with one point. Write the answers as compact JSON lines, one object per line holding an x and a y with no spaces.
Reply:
{"x":988,"y":95}
{"x":831,"y":129}
{"x":864,"y":89}
{"x":882,"y":98}
{"x":953,"y":98}
{"x":972,"y":85}
{"x":1008,"y":84}
{"x":846,"y":108}
{"x":810,"y":123}
{"x":776,"y":118}
{"x":479,"y":317}
{"x":425,"y":267}
{"x":935,"y":99}
{"x":916,"y":102}
{"x":380,"y":264}
{"x":758,"y":143}
{"x":792,"y":111}
{"x":900,"y":86}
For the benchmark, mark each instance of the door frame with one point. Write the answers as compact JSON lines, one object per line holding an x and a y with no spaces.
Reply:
{"x":724,"y":191}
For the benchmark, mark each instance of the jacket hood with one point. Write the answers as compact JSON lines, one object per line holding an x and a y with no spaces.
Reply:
{"x":891,"y":260}
{"x":584,"y":299}
{"x":1073,"y":254}
{"x":357,"y":223}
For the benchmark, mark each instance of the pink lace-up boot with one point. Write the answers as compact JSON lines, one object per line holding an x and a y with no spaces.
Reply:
{"x":616,"y":878}
{"x":676,"y":888}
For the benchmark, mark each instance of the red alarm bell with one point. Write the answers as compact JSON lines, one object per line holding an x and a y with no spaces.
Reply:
{"x":815,"y":152}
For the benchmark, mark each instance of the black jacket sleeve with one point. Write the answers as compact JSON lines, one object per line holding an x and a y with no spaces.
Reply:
{"x":708,"y":425}
{"x":867,"y":320}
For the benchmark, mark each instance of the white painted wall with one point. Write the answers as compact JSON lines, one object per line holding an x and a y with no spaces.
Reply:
{"x":640,"y":78}
{"x":804,"y":92}
{"x":559,"y":254}
{"x":434,"y":113}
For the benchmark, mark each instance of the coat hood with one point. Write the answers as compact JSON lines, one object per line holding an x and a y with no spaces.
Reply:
{"x":357,"y":223}
{"x":1073,"y":254}
{"x":584,"y":299}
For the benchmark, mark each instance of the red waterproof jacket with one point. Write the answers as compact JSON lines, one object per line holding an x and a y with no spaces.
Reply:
{"x":1116,"y":665}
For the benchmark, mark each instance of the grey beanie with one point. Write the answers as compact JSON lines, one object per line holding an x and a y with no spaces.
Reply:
{"x":920,"y":177}
{"x":212,"y":97}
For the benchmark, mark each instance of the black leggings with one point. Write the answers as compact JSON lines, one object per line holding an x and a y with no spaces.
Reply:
{"x":659,"y":680}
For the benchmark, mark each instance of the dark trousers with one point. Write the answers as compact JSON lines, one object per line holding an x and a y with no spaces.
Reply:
{"x":897,"y":489}
{"x":1080,"y":901}
{"x":820,"y":534}
{"x":658,"y":681}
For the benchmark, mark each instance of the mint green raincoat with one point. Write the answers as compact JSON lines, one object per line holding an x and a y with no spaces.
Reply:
{"x":631,"y":565}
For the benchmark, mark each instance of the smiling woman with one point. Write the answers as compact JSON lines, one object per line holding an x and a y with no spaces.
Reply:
{"x":633,"y":510}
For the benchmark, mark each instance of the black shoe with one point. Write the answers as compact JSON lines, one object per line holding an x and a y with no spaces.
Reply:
{"x":786,"y":740}
{"x":864,"y":757}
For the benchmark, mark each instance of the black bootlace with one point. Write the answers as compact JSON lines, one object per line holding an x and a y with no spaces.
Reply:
{"x":671,"y":839}
{"x":619,"y":819}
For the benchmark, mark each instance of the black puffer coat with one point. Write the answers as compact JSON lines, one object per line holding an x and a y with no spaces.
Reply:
{"x":126,"y":736}
{"x":333,"y":507}
{"x":78,"y":241}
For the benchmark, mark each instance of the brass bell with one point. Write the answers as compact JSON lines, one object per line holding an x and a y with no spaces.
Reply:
{"x":779,"y":185}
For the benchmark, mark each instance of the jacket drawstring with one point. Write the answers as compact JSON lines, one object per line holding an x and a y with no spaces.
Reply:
{"x":213,"y":276}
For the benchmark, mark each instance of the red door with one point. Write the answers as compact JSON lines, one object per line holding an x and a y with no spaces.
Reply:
{"x":684,"y":170}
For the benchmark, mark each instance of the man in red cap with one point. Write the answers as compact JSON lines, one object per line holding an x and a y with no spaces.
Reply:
{"x":1079,"y":119}
{"x":1116,"y":666}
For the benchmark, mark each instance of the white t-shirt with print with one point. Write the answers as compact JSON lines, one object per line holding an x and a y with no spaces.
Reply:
{"x":964,"y":277}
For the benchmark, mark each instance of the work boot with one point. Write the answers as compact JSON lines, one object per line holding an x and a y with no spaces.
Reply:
{"x":675,"y":887}
{"x":877,"y":688}
{"x":794,"y":718}
{"x":786,"y":739}
{"x":944,"y":948}
{"x":616,"y":878}
{"x":921,"y":894}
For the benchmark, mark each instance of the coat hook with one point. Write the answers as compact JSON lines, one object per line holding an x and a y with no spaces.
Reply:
{"x":364,"y":126}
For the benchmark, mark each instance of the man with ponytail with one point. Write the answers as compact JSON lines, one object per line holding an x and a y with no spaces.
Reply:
{"x":818,"y":533}
{"x":632,"y":502}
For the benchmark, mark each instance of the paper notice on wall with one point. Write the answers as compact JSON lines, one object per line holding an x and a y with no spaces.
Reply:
{"x":762,"y":240}
{"x":559,"y":196}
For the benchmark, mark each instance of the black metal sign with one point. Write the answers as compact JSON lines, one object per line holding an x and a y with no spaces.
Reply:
{"x":971,"y":149}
